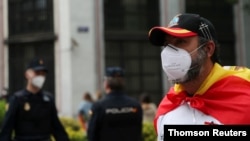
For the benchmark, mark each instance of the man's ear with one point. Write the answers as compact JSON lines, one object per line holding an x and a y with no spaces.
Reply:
{"x":106,"y":86}
{"x":210,"y":47}
{"x":29,"y":73}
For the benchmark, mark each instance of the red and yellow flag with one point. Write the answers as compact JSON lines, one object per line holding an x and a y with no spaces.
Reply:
{"x":224,"y":95}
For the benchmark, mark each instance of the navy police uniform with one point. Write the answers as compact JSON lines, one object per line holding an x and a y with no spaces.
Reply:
{"x":116,"y":117}
{"x":33,"y":117}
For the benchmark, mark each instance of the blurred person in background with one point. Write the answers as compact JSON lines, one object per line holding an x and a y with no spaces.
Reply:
{"x":115,"y":117}
{"x":148,"y":107}
{"x":84,"y":110}
{"x":98,"y":95}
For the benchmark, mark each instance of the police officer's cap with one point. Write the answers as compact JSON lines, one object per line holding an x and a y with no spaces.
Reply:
{"x":114,"y":72}
{"x":37,"y":64}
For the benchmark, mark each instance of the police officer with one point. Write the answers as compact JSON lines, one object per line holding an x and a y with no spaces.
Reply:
{"x":32,"y":114}
{"x":116,"y":117}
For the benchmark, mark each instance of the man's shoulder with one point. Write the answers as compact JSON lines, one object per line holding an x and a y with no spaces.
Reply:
{"x":19,"y":94}
{"x":132,"y":100}
{"x":99,"y":102}
{"x":125,"y":98}
{"x":47,"y":96}
{"x":47,"y":93}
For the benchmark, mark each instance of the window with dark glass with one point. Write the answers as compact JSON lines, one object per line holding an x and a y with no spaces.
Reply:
{"x":127,"y":23}
{"x":30,"y":16}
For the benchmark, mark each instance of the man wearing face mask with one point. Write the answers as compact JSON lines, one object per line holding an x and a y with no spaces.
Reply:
{"x":31,"y":113}
{"x":204,"y":92}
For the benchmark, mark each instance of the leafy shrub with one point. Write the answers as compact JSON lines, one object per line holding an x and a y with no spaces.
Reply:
{"x":73,"y":129}
{"x":148,"y":132}
{"x":75,"y":132}
{"x":2,"y":110}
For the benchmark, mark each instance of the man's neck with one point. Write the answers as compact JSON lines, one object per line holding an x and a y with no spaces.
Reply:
{"x":191,"y":87}
{"x":32,"y":89}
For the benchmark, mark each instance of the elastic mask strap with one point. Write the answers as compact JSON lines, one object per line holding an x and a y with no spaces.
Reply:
{"x":197,"y":48}
{"x":172,"y":46}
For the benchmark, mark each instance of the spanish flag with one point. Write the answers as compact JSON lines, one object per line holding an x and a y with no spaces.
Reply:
{"x":224,"y":95}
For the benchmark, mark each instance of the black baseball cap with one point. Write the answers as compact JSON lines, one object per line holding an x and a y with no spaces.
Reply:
{"x":114,"y":72}
{"x":37,"y":64}
{"x":183,"y":25}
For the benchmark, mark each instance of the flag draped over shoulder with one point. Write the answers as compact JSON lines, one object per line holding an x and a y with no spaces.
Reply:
{"x":225,"y":95}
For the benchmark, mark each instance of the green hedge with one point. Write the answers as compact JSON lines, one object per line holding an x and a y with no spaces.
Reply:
{"x":148,"y":132}
{"x":2,"y":110}
{"x":73,"y":129}
{"x":75,"y":132}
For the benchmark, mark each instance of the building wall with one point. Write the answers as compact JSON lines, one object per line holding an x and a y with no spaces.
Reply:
{"x":246,"y":29}
{"x":76,"y":70}
{"x":242,"y":32}
{"x":3,"y":47}
{"x":83,"y":48}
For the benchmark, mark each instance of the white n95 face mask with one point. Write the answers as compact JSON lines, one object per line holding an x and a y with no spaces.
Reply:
{"x":175,"y":62}
{"x":38,"y":81}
